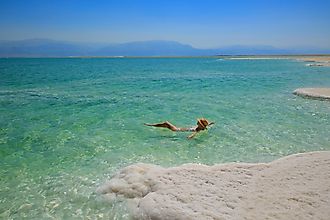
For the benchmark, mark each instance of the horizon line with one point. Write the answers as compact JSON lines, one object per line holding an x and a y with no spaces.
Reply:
{"x":200,"y":56}
{"x":174,"y":41}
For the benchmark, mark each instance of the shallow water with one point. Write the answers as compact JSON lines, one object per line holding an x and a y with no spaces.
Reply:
{"x":68,"y":124}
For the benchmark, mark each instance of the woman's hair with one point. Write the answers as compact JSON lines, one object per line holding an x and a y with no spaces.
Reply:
{"x":202,"y":122}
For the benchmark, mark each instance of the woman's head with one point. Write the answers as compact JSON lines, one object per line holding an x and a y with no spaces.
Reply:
{"x":202,"y":123}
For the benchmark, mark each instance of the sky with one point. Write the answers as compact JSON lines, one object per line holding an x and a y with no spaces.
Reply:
{"x":200,"y":23}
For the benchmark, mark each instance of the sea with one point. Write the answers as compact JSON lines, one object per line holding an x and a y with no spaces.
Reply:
{"x":68,"y":124}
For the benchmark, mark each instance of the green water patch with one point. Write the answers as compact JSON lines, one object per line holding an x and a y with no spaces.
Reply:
{"x":67,"y":125}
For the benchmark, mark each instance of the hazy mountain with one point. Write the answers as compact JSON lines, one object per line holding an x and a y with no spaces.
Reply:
{"x":50,"y":48}
{"x":41,"y":48}
{"x":53,"y":48}
{"x":150,"y":48}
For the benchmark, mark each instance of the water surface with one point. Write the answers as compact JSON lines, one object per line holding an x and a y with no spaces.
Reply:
{"x":68,"y":124}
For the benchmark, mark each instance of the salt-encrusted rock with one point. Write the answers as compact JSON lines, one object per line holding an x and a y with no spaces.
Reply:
{"x":318,"y":93}
{"x":294,"y":187}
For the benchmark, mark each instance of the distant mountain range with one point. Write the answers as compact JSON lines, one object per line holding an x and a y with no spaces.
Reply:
{"x":53,"y":48}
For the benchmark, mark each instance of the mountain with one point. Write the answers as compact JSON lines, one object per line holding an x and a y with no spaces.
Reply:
{"x":41,"y":48}
{"x":53,"y":48}
{"x":150,"y":48}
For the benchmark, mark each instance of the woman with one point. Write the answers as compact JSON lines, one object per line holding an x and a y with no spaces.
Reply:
{"x":202,"y":124}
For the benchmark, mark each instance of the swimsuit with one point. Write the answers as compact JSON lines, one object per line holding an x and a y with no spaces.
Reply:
{"x":192,"y":129}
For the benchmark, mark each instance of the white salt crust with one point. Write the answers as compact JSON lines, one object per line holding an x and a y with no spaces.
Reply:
{"x":293,"y":187}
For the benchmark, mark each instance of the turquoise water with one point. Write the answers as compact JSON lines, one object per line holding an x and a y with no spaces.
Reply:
{"x":68,"y":124}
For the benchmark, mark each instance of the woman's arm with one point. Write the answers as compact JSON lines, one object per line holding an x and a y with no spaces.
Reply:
{"x":192,"y":135}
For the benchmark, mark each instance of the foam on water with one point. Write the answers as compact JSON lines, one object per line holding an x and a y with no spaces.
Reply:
{"x":67,"y":125}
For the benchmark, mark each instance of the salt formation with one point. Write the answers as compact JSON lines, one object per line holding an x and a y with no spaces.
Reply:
{"x":319,"y":93}
{"x":294,"y":187}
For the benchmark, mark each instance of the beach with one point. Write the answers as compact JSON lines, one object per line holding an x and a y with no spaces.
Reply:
{"x":293,"y":187}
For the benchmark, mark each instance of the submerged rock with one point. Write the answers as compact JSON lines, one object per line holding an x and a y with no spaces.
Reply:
{"x":294,"y":187}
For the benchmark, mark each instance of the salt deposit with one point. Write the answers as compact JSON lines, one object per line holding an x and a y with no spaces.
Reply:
{"x":294,"y":187}
{"x":319,"y":93}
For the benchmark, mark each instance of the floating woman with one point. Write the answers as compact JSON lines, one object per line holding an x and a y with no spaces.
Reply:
{"x":202,"y":124}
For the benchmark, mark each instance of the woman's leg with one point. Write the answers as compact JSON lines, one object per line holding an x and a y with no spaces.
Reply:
{"x":165,"y":124}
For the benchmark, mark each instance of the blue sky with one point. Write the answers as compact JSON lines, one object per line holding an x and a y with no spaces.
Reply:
{"x":201,"y":23}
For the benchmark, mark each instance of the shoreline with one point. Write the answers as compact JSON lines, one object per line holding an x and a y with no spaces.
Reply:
{"x":315,"y":60}
{"x":311,"y":60}
{"x":292,"y":187}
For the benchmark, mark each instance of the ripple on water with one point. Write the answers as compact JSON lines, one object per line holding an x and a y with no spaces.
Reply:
{"x":67,"y":125}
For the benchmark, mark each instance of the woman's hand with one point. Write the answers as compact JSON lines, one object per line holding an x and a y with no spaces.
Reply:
{"x":192,"y":135}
